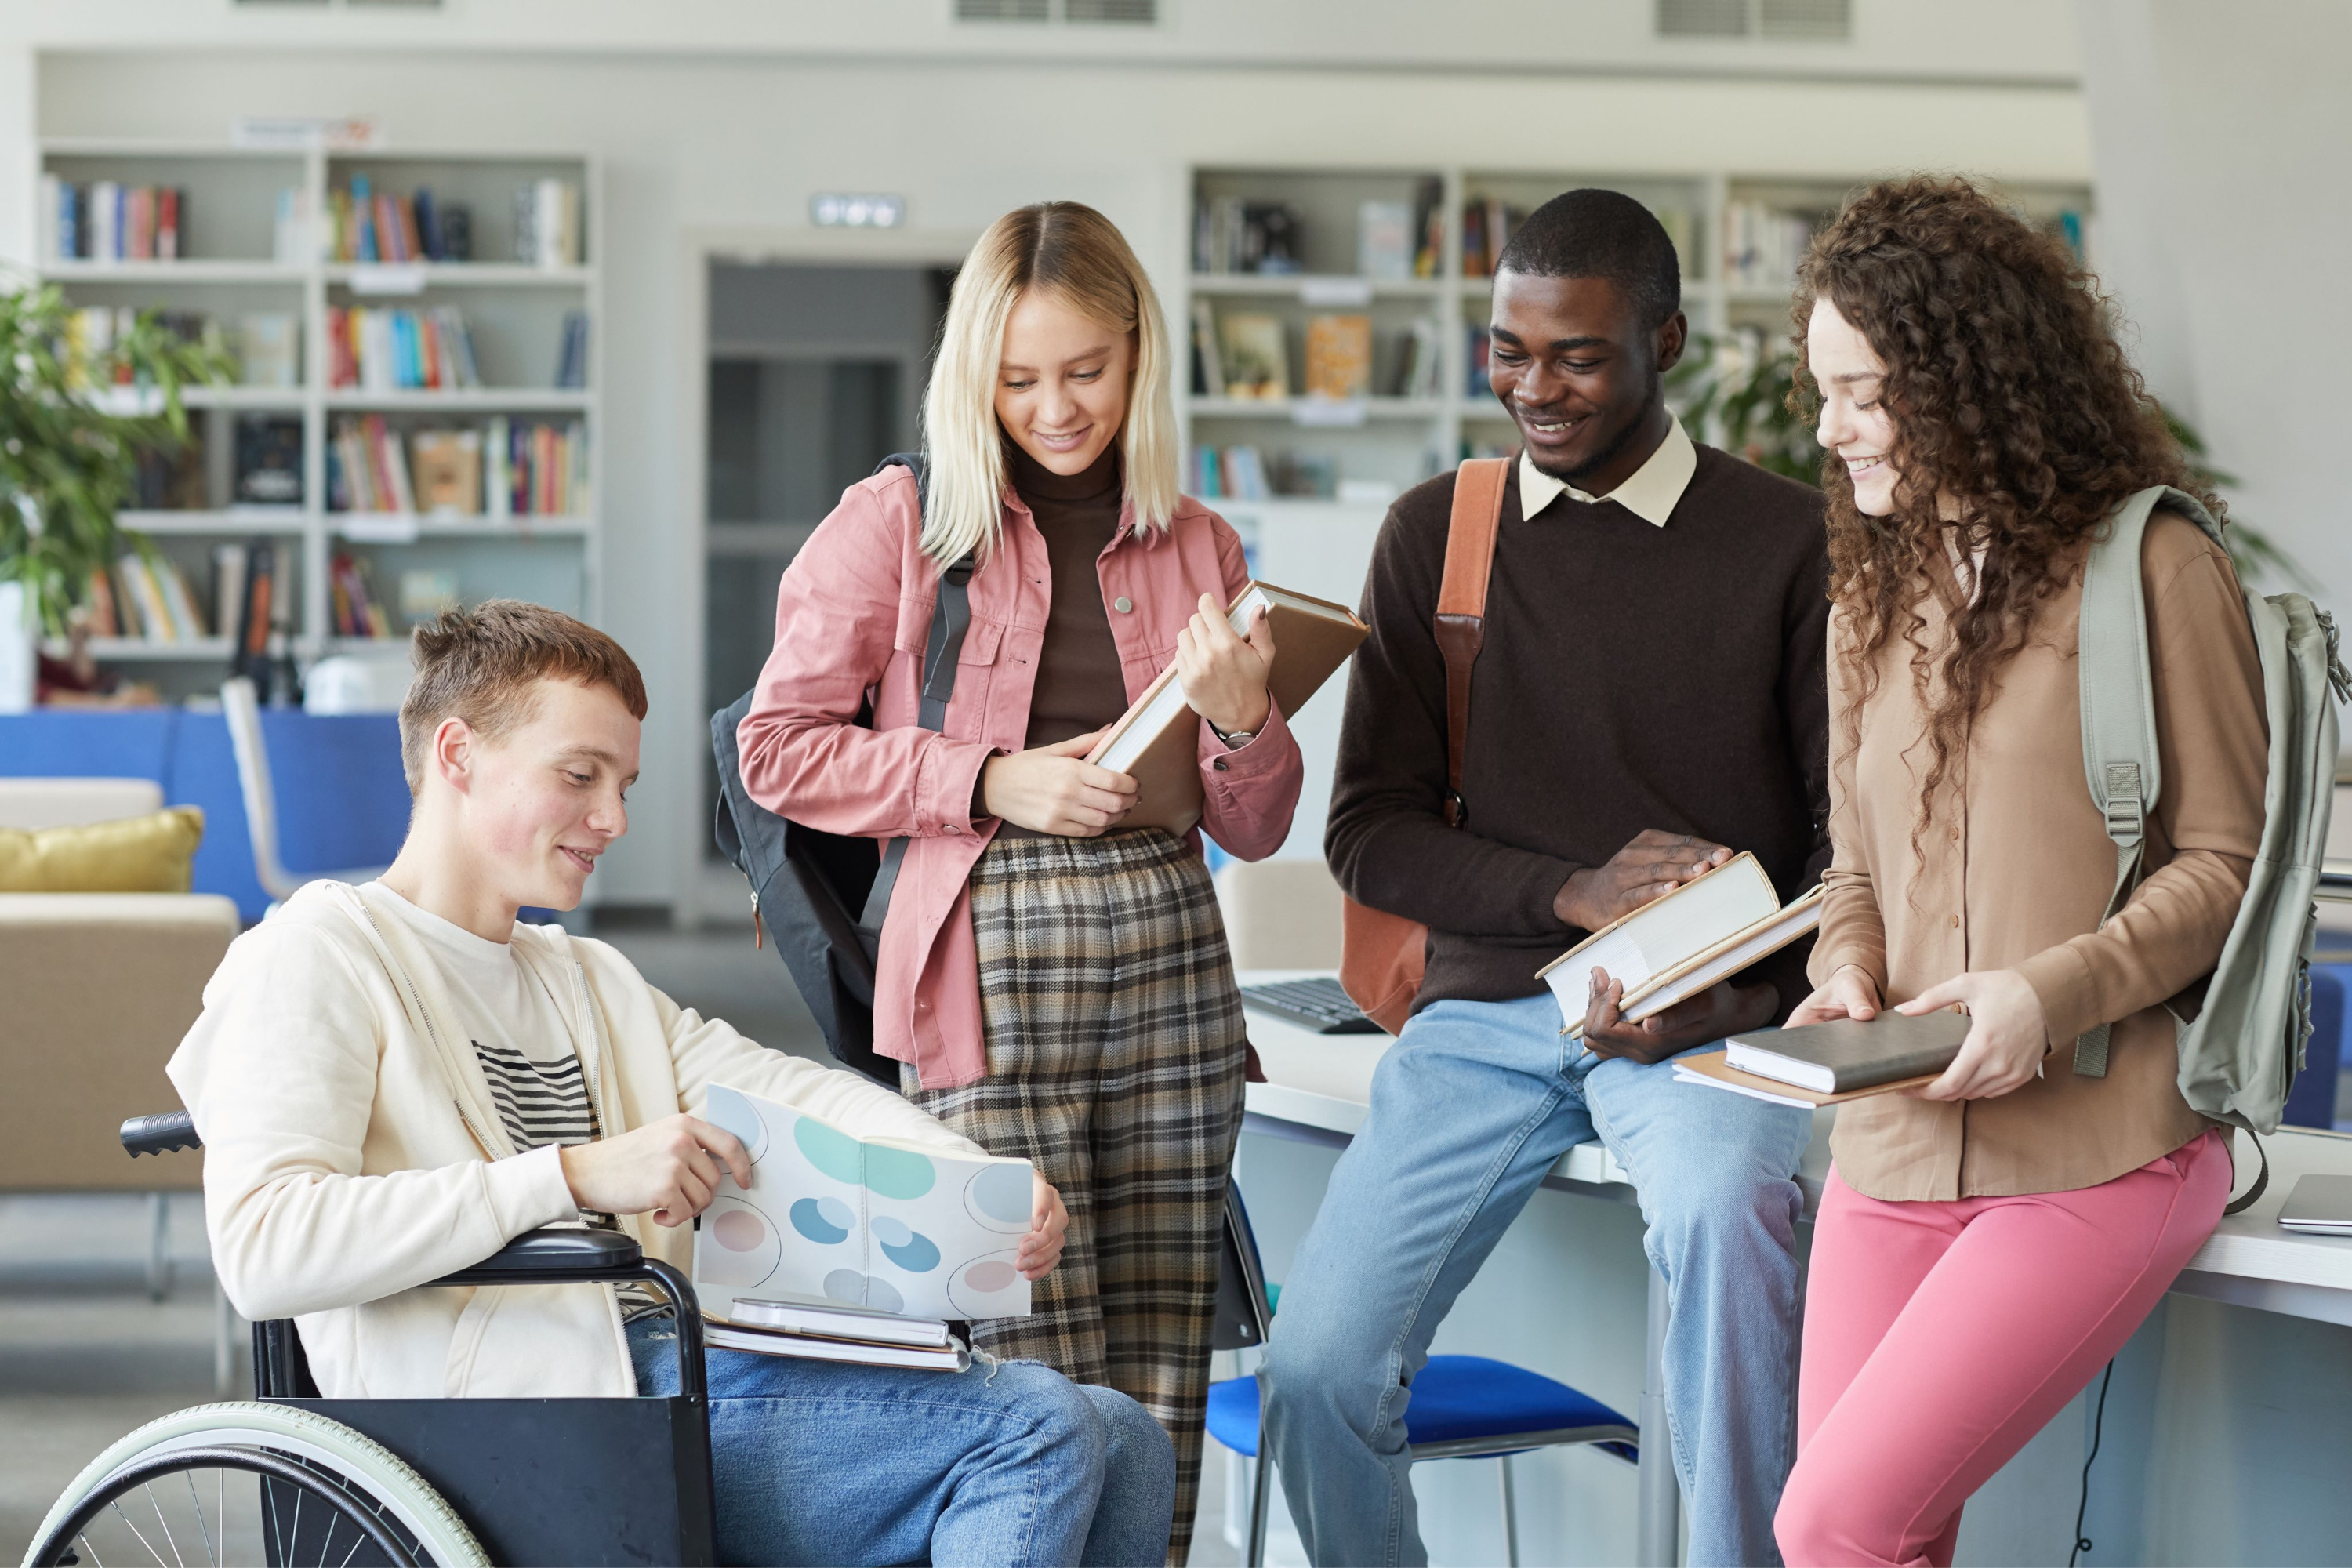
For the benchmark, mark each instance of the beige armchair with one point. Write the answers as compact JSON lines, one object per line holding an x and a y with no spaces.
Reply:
{"x":98,"y":987}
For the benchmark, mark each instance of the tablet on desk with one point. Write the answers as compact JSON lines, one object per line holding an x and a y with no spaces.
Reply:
{"x":2321,"y":1205}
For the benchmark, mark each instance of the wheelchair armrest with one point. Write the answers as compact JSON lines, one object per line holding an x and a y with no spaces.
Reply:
{"x":553,"y":1255}
{"x":161,"y":1133}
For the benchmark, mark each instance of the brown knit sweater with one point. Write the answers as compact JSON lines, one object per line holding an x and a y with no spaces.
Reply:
{"x":1633,"y":677}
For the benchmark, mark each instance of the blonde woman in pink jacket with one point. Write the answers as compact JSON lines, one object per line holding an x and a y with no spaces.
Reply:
{"x":1057,"y":986}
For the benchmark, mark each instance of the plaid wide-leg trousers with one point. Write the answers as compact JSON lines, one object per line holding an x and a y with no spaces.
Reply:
{"x":1116,"y":1057}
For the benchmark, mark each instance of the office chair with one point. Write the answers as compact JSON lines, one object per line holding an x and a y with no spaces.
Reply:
{"x":1462,"y":1406}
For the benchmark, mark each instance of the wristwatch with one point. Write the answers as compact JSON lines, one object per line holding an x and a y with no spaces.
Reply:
{"x":1235,"y":741}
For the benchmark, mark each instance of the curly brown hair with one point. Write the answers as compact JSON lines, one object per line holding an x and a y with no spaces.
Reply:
{"x":2010,"y":399}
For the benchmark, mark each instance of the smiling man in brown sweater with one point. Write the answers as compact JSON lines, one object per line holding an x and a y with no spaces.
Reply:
{"x":1649,"y":699}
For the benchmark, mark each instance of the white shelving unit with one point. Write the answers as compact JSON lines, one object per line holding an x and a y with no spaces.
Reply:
{"x":514,"y":310}
{"x":1394,"y":442}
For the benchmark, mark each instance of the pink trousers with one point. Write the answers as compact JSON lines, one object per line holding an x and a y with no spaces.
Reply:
{"x":1940,"y":1337}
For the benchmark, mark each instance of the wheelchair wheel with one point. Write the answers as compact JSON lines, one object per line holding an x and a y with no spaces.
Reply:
{"x":250,"y":1483}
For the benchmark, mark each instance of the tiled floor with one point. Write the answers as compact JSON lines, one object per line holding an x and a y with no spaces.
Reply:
{"x":85,"y":1356}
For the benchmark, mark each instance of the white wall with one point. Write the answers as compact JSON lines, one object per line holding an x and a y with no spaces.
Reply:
{"x":2222,"y":137}
{"x":726,"y":152}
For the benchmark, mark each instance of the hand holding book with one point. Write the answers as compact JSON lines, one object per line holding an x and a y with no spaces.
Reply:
{"x":2008,"y":1034}
{"x":1224,"y":674}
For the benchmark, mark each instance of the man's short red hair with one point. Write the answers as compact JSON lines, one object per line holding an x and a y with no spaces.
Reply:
{"x":479,"y":665}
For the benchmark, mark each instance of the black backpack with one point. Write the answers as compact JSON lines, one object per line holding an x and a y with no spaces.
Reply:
{"x":821,"y":897}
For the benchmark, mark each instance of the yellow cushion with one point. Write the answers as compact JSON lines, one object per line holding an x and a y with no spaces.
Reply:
{"x":151,"y":854}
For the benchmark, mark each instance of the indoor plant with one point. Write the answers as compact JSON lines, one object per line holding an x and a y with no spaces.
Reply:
{"x":69,"y":447}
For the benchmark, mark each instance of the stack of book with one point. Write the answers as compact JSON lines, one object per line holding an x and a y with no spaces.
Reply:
{"x":358,"y":609}
{"x":836,"y":1332}
{"x":1488,"y":223}
{"x":145,"y":598}
{"x":1232,"y":233}
{"x":371,"y":225}
{"x":367,"y":468}
{"x":548,"y":224}
{"x":107,"y":221}
{"x":535,"y":471}
{"x":393,"y":350}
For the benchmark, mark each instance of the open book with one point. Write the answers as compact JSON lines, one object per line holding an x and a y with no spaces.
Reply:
{"x":835,"y":1221}
{"x":1674,"y":947}
{"x":1157,"y":741}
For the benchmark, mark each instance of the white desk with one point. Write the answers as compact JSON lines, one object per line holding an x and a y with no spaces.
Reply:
{"x":1319,"y":1087}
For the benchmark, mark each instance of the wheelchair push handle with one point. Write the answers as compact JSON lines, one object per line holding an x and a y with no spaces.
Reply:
{"x":160,"y":1134}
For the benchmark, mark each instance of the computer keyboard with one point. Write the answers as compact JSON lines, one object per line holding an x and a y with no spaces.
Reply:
{"x":1318,"y":1004}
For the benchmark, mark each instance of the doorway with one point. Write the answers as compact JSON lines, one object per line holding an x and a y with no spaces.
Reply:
{"x":815,"y":374}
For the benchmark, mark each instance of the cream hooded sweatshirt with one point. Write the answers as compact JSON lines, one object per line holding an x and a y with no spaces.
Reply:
{"x":352,"y":1151}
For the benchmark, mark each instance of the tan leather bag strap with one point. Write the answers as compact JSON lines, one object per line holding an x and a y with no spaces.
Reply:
{"x":1461,"y":626}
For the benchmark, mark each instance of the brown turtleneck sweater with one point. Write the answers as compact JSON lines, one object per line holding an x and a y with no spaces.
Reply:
{"x":1080,"y":686}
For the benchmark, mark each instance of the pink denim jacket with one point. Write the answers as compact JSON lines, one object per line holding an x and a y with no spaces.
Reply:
{"x":851,"y":618}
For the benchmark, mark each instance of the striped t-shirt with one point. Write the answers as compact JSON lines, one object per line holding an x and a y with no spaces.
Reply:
{"x":522,"y":1038}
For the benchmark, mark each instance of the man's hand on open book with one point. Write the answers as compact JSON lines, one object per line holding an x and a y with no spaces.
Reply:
{"x":1721,"y":1009}
{"x":1049,"y":1226}
{"x":1054,"y":789}
{"x":668,"y":1169}
{"x":1653,"y":865}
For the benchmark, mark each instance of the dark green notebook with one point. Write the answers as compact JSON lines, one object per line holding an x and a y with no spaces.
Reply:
{"x":1845,"y":1055}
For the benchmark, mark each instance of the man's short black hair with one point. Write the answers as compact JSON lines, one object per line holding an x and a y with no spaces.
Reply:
{"x":1603,"y":234}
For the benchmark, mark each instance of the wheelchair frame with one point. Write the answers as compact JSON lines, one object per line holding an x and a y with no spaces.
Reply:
{"x":538,"y":1481}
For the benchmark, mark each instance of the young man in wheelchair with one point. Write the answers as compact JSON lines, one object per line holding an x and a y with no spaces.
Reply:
{"x":393,"y":1081}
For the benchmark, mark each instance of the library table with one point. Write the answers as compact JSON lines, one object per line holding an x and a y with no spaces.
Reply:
{"x":1319,"y":1087}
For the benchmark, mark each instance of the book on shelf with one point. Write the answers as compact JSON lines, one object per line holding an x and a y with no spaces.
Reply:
{"x":1476,"y":388}
{"x":448,"y":473}
{"x":1384,"y":240}
{"x":155,"y":604}
{"x":1762,"y":246}
{"x":1487,"y":223}
{"x":1418,"y":361}
{"x":264,"y":600}
{"x":1157,"y":741}
{"x":270,"y":349}
{"x":357,"y":608}
{"x":230,"y":564}
{"x":1339,"y":357}
{"x":1255,"y":361}
{"x":1429,"y":225}
{"x":831,"y":1220}
{"x":1208,"y":367}
{"x":1233,"y":234}
{"x":547,"y":223}
{"x":105,"y":220}
{"x":1676,"y":945}
{"x":367,"y":225}
{"x":98,"y":600}
{"x":571,"y":359}
{"x":367,"y":467}
{"x":392,"y":349}
{"x":168,"y":477}
{"x":268,"y":460}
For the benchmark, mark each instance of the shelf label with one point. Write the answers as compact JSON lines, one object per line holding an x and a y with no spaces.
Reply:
{"x":378,"y":527}
{"x":1326,"y":412}
{"x":1335,"y":291}
{"x":371,"y":278}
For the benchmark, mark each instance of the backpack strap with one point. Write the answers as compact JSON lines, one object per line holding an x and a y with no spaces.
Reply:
{"x":1461,"y":620}
{"x":2119,"y":751}
{"x":950,"y":619}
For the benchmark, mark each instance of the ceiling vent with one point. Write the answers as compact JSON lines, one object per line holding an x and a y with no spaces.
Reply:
{"x":1807,"y":21}
{"x":1074,"y":13}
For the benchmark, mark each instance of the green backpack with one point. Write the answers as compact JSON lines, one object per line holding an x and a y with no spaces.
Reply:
{"x":2242,"y":1046}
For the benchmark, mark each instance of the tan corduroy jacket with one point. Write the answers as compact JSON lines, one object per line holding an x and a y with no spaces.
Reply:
{"x":2014,"y":867}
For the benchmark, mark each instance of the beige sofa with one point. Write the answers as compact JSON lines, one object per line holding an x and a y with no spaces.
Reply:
{"x":96,"y":990}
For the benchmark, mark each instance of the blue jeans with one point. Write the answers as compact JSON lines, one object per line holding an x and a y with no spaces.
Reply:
{"x":1011,"y":1463}
{"x":1469,"y":1109}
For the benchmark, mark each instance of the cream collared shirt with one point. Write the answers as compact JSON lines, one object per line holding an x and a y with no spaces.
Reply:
{"x":1649,"y":494}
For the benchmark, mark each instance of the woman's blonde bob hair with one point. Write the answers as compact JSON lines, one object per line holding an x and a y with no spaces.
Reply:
{"x":1076,"y":253}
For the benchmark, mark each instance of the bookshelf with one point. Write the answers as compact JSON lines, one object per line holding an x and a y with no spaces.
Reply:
{"x":238,"y":260}
{"x":1739,"y":238}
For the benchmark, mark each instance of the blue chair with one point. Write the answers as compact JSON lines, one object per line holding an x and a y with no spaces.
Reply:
{"x":2313,"y":1102}
{"x":1462,"y":1406}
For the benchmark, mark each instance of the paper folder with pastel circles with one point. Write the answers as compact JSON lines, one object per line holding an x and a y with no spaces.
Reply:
{"x":834,"y":1220}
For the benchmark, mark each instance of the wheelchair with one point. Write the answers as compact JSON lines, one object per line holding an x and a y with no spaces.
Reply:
{"x":400,"y":1483}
